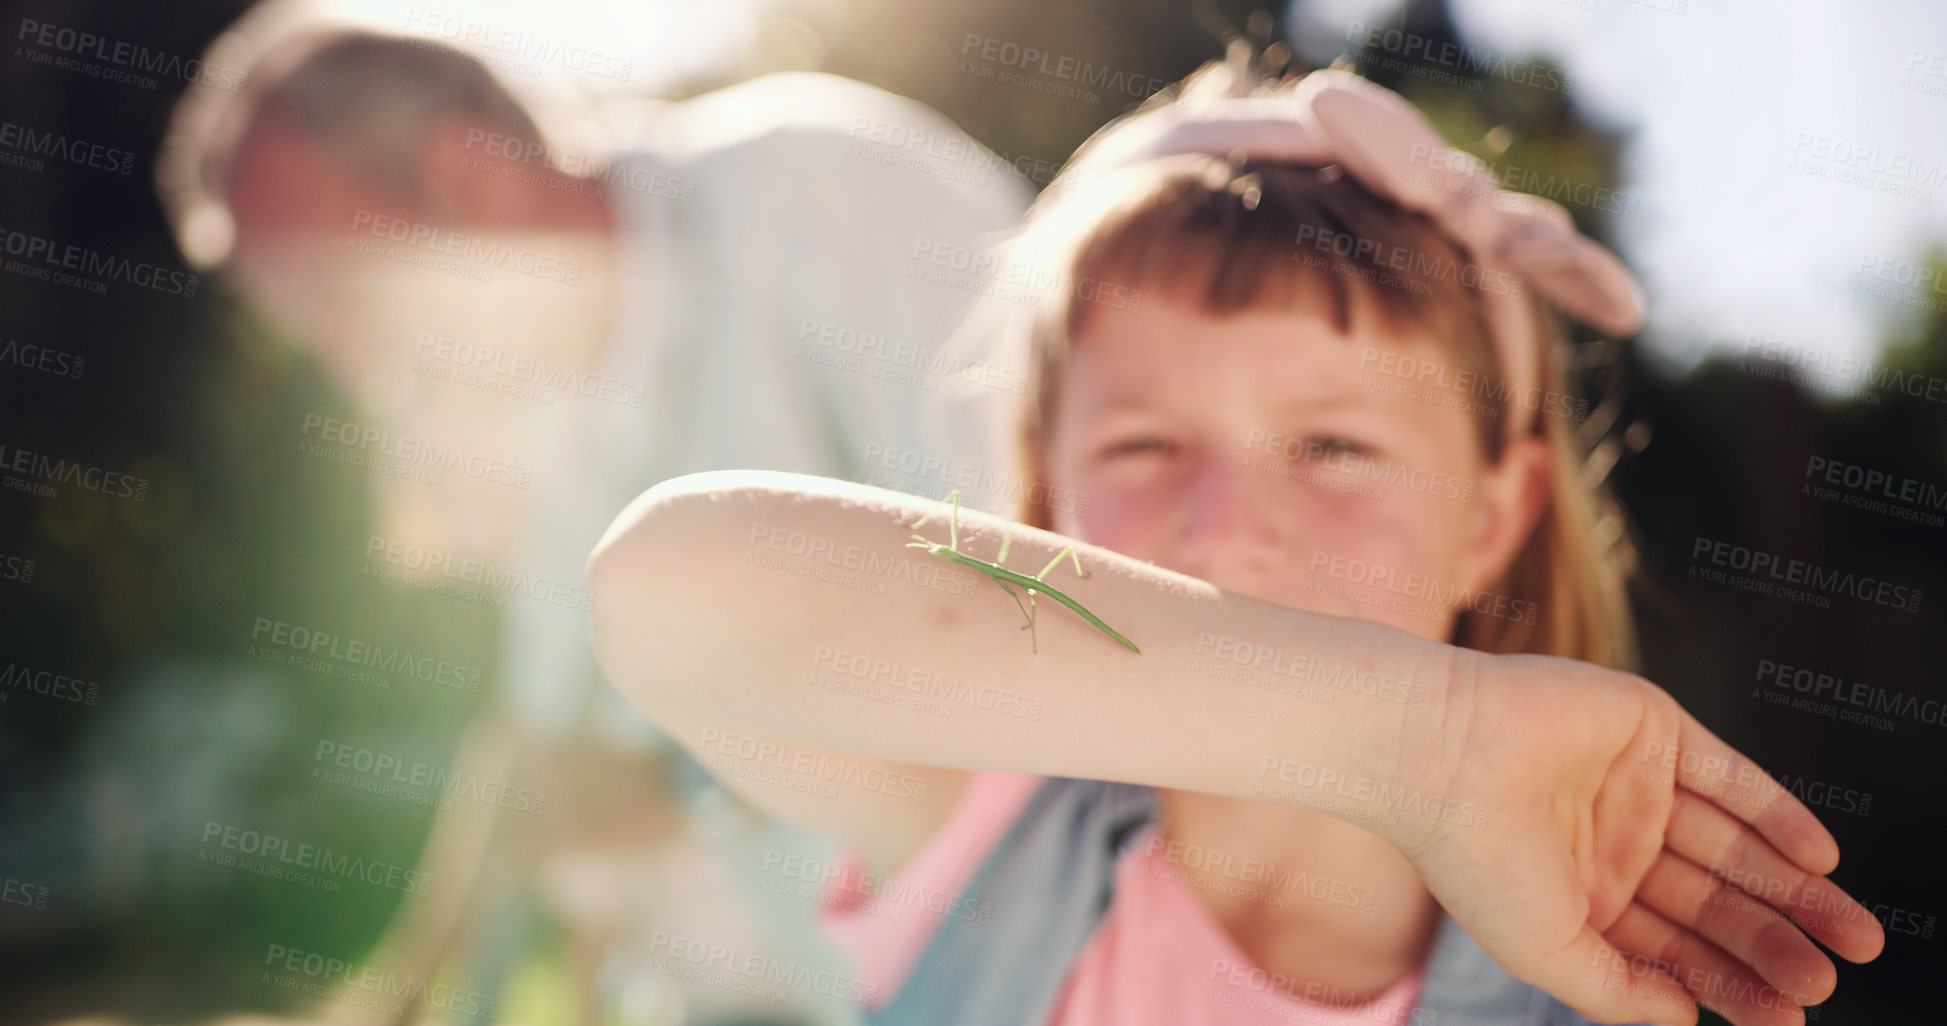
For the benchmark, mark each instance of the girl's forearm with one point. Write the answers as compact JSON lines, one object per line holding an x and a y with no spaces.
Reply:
{"x":790,"y":607}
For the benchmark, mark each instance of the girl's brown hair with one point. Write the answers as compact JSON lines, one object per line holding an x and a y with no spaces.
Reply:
{"x":1228,"y":236}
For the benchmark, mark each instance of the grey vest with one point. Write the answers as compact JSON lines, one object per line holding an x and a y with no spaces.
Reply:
{"x":1049,"y":882}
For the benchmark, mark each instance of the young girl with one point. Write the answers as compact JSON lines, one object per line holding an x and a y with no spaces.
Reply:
{"x":1298,"y":405}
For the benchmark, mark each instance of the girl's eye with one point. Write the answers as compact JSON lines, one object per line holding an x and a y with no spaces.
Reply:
{"x":1138,"y":446}
{"x":1334,"y":444}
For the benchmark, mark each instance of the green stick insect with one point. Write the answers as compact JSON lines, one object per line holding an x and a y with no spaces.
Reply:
{"x":1009,"y":580}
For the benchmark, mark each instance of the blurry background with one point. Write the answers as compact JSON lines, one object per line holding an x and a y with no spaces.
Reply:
{"x":1777,"y":174}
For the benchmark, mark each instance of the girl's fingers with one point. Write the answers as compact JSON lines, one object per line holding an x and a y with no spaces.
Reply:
{"x":1709,"y":767}
{"x":1726,"y":849}
{"x":1605,"y":984}
{"x":1712,"y":978}
{"x":1745,"y":928}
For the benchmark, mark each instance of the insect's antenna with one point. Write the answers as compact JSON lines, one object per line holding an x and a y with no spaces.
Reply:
{"x":953,"y":526}
{"x":1006,"y":540}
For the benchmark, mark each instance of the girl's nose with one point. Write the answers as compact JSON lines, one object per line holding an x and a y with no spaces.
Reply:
{"x":1229,"y":528}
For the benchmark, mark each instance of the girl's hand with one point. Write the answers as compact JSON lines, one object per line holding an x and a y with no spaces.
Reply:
{"x":1631,"y":861}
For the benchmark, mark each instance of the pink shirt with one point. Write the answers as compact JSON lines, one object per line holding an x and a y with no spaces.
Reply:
{"x":1158,"y":958}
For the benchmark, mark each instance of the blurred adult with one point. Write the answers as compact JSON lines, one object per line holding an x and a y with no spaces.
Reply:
{"x":747,"y":279}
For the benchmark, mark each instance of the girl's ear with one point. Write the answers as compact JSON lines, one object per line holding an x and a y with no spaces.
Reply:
{"x":1508,"y":501}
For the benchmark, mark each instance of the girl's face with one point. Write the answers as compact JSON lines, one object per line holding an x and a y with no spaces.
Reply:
{"x":1273,"y":457}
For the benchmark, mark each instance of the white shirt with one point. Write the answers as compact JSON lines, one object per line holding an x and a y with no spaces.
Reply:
{"x":773,"y":227}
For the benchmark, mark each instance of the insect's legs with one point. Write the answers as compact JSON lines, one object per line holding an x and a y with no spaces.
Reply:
{"x":1034,"y":641}
{"x":953,"y":525}
{"x":1067,"y":553}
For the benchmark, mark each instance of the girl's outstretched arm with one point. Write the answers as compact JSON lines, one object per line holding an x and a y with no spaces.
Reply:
{"x":790,"y":608}
{"x":777,"y":626}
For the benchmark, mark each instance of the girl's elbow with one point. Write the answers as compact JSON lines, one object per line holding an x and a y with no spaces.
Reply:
{"x":629,"y":574}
